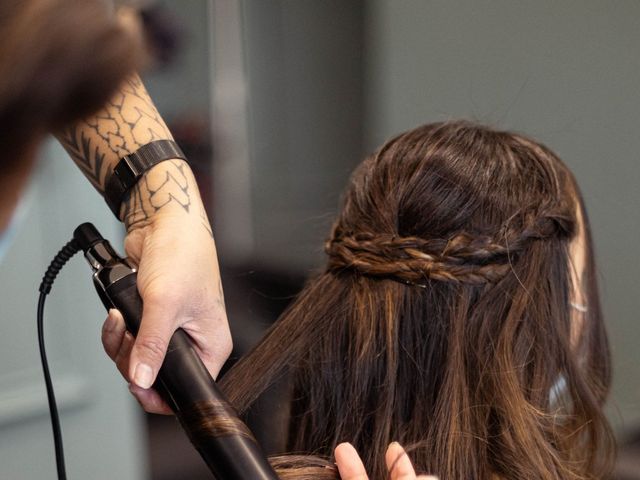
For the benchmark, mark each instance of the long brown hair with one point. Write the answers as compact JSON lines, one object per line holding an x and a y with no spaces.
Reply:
{"x":443,"y":319}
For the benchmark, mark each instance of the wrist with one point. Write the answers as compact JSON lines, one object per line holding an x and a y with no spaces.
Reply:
{"x":167,"y":191}
{"x":130,"y":169}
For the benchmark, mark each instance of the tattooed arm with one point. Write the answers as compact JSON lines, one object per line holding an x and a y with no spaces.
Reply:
{"x":168,"y":236}
{"x":129,"y":121}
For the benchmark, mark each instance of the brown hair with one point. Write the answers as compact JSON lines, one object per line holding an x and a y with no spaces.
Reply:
{"x":444,"y":320}
{"x":60,"y":60}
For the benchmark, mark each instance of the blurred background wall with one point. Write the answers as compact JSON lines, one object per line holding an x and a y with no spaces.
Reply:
{"x":275,"y":102}
{"x":566,"y":73}
{"x":330,"y":81}
{"x":102,"y":429}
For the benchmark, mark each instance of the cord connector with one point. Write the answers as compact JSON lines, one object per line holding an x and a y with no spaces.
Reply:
{"x":69,"y":250}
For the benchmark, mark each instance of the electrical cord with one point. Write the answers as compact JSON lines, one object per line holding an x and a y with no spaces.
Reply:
{"x":61,"y":258}
{"x":228,"y":448}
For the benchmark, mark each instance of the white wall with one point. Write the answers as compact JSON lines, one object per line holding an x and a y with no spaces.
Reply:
{"x":566,"y":73}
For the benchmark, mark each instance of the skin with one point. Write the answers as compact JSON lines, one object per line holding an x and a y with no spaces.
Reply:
{"x":165,"y":221}
{"x":398,"y":464}
{"x":118,"y":346}
{"x":168,"y":237}
{"x":578,"y":254}
{"x":347,"y":459}
{"x":168,"y":234}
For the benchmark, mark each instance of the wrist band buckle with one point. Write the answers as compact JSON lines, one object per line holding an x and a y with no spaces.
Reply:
{"x":127,"y":171}
{"x":131,"y":167}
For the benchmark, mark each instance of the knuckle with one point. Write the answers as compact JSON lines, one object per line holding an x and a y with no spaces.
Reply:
{"x":228,"y":345}
{"x":152,"y":346}
{"x":160,"y":295}
{"x":122,"y":364}
{"x":111,"y":342}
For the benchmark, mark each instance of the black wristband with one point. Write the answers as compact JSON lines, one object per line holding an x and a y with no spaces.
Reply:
{"x":131,"y":167}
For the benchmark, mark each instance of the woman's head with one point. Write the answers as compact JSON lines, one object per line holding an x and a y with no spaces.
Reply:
{"x":445,"y":319}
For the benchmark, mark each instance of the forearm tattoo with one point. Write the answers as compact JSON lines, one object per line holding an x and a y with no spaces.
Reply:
{"x":126,"y":123}
{"x":86,"y":155}
{"x":153,"y":193}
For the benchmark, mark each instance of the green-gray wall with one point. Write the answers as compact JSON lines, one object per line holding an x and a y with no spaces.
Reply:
{"x":566,"y":73}
{"x":100,"y":421}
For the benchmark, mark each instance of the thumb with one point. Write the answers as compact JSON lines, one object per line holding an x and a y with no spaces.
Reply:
{"x":151,"y":344}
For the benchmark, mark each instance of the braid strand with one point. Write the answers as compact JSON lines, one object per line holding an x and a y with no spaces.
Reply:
{"x":463,"y":258}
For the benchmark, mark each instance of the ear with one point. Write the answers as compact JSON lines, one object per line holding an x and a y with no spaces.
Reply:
{"x":577,"y":263}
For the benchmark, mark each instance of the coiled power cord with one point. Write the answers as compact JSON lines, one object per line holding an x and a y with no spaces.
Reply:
{"x":222,"y":439}
{"x":62,"y":257}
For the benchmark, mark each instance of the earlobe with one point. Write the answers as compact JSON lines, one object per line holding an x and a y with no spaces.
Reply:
{"x":579,"y":307}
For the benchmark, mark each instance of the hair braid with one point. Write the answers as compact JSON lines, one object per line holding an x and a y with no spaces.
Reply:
{"x":462,"y":258}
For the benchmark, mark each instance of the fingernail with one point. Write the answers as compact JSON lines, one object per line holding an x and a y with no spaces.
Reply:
{"x":143,"y":376}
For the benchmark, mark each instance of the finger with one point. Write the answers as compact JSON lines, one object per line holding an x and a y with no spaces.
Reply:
{"x":113,"y":333}
{"x":151,"y":343}
{"x":398,"y":463}
{"x":349,"y":464}
{"x":150,"y":400}
{"x":124,"y":354}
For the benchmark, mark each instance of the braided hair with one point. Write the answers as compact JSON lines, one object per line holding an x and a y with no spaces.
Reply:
{"x":462,"y":258}
{"x":443,"y":318}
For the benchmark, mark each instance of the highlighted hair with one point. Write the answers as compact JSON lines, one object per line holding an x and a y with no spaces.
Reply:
{"x":443,"y":318}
